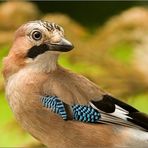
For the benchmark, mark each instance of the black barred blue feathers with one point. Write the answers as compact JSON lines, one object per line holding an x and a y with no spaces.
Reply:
{"x":84,"y":113}
{"x":55,"y":105}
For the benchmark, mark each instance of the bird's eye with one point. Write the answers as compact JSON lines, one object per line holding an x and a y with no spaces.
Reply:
{"x":36,"y":35}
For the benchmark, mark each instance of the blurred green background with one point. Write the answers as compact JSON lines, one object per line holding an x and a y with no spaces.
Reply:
{"x":111,"y":49}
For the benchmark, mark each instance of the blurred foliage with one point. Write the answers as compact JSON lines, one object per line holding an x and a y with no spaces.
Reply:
{"x":89,"y":14}
{"x":114,"y":55}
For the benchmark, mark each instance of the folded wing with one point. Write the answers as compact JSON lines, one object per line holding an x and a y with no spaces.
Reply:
{"x":115,"y":111}
{"x":107,"y":111}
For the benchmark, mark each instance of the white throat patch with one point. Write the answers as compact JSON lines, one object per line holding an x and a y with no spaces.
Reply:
{"x":44,"y":63}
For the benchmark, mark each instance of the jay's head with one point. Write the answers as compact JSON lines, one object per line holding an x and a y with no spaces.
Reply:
{"x":36,"y":43}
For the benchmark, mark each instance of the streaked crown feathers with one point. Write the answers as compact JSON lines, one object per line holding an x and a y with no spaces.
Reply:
{"x":50,"y":26}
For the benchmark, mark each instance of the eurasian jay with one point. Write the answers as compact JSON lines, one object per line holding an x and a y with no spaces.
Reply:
{"x":58,"y":107}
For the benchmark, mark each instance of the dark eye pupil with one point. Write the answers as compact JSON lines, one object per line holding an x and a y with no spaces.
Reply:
{"x":37,"y":35}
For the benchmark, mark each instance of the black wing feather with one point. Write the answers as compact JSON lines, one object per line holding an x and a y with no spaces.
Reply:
{"x":139,"y":118}
{"x":110,"y":105}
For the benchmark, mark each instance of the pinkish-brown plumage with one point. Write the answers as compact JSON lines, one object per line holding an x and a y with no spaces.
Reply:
{"x":28,"y":79}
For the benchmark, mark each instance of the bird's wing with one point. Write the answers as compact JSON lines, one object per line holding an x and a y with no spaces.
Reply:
{"x":108,"y":111}
{"x":117,"y":112}
{"x":85,"y":101}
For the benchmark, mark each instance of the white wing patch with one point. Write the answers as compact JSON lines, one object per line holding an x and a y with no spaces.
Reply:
{"x":120,"y":113}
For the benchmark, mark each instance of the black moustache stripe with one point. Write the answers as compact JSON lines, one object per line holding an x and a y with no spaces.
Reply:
{"x":37,"y":50}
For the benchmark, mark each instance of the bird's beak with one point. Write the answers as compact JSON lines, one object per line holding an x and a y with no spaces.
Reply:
{"x":63,"y":45}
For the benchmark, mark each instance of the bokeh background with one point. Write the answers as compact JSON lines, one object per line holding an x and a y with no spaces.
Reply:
{"x":111,"y":49}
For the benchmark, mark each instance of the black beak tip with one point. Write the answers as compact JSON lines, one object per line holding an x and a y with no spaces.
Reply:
{"x":71,"y":47}
{"x":66,"y":48}
{"x":65,"y":45}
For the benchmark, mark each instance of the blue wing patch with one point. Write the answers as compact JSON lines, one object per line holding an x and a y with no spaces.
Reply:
{"x":55,"y":105}
{"x":84,"y":113}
